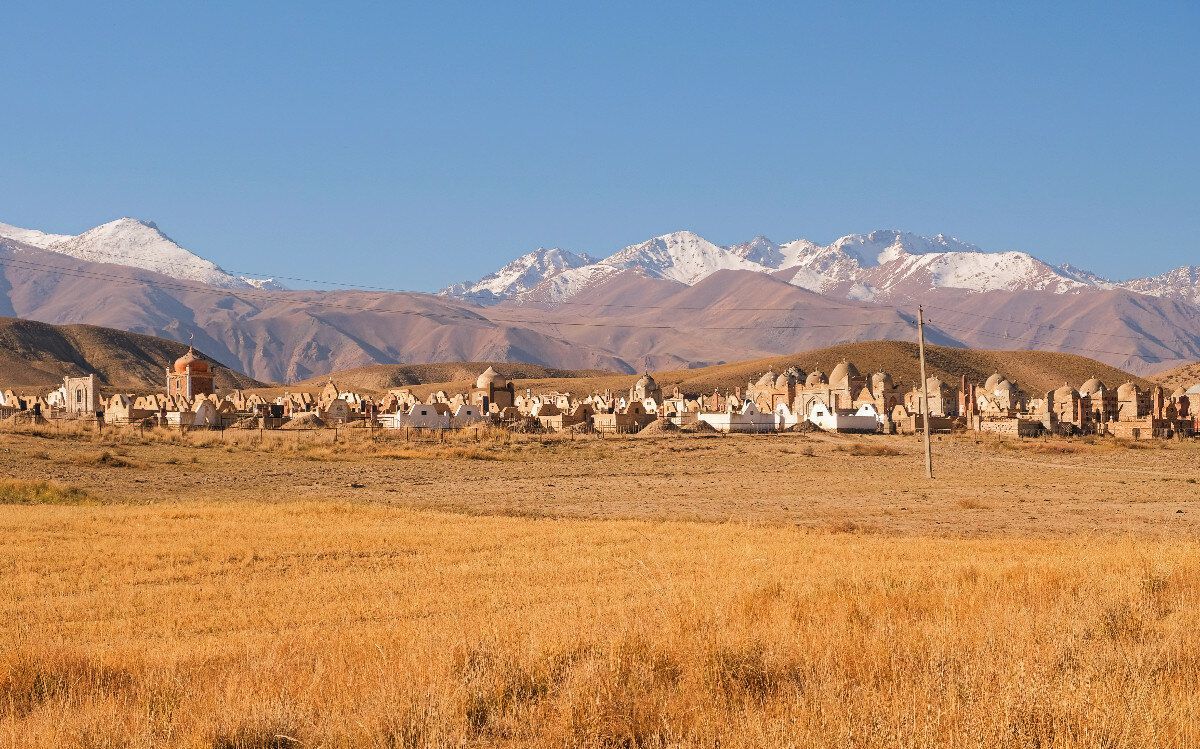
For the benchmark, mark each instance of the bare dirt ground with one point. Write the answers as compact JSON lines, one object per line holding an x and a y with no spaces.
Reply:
{"x":984,"y":487}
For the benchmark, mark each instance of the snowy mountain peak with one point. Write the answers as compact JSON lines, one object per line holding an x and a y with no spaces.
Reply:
{"x":140,"y":244}
{"x":135,"y":243}
{"x":885,"y":245}
{"x":31,"y":237}
{"x":1180,"y":284}
{"x":882,"y":264}
{"x":520,"y":275}
{"x":759,"y":250}
{"x":681,"y":256}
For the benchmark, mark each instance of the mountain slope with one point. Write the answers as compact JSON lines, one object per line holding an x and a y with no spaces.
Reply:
{"x":279,"y":336}
{"x":674,"y":301}
{"x":31,"y":237}
{"x":1181,"y":284}
{"x":885,"y":264}
{"x":135,"y":244}
{"x":1184,"y":376}
{"x":140,"y":244}
{"x":377,"y":378}
{"x":519,"y":276}
{"x":1137,"y":333}
{"x":890,"y":264}
{"x":36,"y":356}
{"x":682,"y":256}
{"x":731,"y":314}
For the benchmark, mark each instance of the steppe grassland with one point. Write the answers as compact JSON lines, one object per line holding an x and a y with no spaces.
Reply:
{"x":154,"y":615}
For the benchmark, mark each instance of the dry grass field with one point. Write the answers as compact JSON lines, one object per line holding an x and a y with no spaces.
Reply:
{"x":214,"y":590}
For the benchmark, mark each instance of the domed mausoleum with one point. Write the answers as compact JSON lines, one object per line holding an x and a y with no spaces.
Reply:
{"x":190,"y":376}
{"x":493,"y":391}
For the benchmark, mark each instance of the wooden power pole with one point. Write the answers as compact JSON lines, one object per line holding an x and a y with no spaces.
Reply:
{"x":924,"y":392}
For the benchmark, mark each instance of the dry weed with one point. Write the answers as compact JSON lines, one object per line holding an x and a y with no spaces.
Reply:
{"x":864,"y":450}
{"x":41,"y":492}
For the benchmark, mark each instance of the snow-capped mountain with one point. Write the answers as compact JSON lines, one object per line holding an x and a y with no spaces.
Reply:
{"x":888,"y":264}
{"x":880,"y":265}
{"x":520,"y":275}
{"x":31,"y":237}
{"x":682,"y":256}
{"x":1181,"y":284}
{"x":570,"y":283}
{"x":766,"y":253}
{"x":136,"y":244}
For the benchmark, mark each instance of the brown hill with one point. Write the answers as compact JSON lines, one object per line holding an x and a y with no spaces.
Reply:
{"x":1184,"y":377}
{"x":35,"y":356}
{"x":378,"y":378}
{"x":1033,"y":371}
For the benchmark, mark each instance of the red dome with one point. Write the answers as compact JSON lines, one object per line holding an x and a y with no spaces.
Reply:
{"x":190,"y":359}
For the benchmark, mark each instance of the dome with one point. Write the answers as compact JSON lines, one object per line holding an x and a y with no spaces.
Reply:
{"x":1127,"y":392}
{"x":934,"y":383}
{"x":842,"y":374}
{"x":1178,"y":394}
{"x":992,"y":382}
{"x":790,"y":377}
{"x":190,"y":359}
{"x":1066,"y":392}
{"x":488,"y":378}
{"x":1004,"y":386}
{"x":1193,"y":390}
{"x":646,"y":381}
{"x":1092,"y":386}
{"x":816,"y":378}
{"x":881,"y":381}
{"x":767,"y":380}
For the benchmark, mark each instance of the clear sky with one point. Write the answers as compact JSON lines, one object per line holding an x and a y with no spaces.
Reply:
{"x":415,"y":146}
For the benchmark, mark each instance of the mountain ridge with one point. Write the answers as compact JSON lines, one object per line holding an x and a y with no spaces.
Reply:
{"x":884,"y":265}
{"x":135,"y":243}
{"x":678,"y":302}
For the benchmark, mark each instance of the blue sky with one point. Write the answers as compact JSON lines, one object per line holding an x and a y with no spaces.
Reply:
{"x":415,"y":146}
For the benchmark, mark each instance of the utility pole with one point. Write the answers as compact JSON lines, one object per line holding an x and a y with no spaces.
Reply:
{"x":924,"y":392}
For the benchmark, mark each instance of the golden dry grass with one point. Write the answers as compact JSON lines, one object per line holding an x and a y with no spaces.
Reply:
{"x":39,"y":492}
{"x":337,"y":625}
